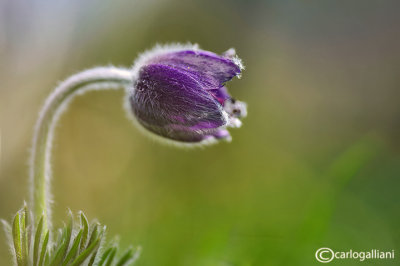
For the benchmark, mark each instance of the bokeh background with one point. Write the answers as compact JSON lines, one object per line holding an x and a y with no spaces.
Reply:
{"x":316,"y":163}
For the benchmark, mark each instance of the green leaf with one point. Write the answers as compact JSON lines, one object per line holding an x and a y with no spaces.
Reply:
{"x":68,"y":233}
{"x":111,"y":256}
{"x":127,"y":256}
{"x":47,"y":259}
{"x":24,"y":238}
{"x":16,"y":231}
{"x":105,"y":256}
{"x":74,"y":249}
{"x":85,"y":225}
{"x":44,"y":254}
{"x":58,"y":255}
{"x":93,"y":258}
{"x":85,"y":254}
{"x":93,"y":234}
{"x":38,"y":236}
{"x":28,"y":228}
{"x":26,"y":213}
{"x":32,"y":245}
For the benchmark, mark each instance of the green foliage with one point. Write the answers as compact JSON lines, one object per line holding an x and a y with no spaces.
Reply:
{"x":76,"y":244}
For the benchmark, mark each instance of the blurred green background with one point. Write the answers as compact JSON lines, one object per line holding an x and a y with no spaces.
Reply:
{"x":316,"y":163}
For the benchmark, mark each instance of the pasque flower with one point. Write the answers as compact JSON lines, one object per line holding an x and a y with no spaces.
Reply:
{"x":179,"y":94}
{"x":176,"y":92}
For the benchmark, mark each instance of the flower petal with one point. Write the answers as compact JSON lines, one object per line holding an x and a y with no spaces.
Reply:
{"x":209,"y":69}
{"x":171,"y":103}
{"x":221,"y":95}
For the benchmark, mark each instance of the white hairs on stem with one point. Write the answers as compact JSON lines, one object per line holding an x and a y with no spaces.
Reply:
{"x":99,"y":78}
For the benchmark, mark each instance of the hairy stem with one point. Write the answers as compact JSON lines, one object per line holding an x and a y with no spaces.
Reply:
{"x":56,"y":103}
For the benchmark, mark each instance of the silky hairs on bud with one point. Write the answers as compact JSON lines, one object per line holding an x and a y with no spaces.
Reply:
{"x":179,"y":95}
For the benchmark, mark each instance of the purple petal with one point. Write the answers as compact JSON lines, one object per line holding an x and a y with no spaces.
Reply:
{"x":222,"y":134}
{"x":221,"y":95}
{"x":209,"y":69}
{"x":171,"y":103}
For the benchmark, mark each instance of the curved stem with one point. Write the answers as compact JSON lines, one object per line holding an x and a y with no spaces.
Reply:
{"x":56,"y":103}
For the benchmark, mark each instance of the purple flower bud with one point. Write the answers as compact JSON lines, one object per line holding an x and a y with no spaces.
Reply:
{"x":179,"y":94}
